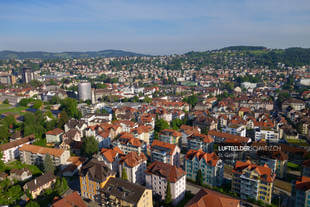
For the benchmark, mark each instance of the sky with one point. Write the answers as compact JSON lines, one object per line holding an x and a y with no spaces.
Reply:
{"x":156,"y":27}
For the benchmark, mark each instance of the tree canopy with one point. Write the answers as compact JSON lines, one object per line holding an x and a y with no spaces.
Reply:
{"x":90,"y":146}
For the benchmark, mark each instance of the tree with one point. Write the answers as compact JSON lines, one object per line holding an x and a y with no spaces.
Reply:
{"x":176,"y":123}
{"x":48,"y":164}
{"x":61,"y":185}
{"x":124,"y":174}
{"x":161,"y":124}
{"x":69,"y":105}
{"x":34,"y":124}
{"x":4,"y":134}
{"x":37,"y":104}
{"x":63,"y":119}
{"x":199,"y":178}
{"x":6,"y":101}
{"x":24,"y":102}
{"x":192,"y":100}
{"x":32,"y":204}
{"x":168,"y":198}
{"x":90,"y":146}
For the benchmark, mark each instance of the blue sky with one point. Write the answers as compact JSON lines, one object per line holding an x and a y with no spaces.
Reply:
{"x":152,"y":26}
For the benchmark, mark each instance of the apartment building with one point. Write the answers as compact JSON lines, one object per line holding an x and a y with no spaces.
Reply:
{"x":166,"y":153}
{"x":266,"y":134}
{"x":210,"y":165}
{"x":10,"y":150}
{"x":170,"y":136}
{"x":34,"y":155}
{"x":93,"y":176}
{"x":134,"y":166}
{"x":128,"y":143}
{"x":200,"y":141}
{"x":118,"y":192}
{"x":159,"y":175}
{"x":253,"y":181}
{"x":235,"y":129}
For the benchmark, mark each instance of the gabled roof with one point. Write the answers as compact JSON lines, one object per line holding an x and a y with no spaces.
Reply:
{"x":40,"y":181}
{"x":111,"y":154}
{"x":132,"y":159}
{"x":96,"y":170}
{"x":264,"y":171}
{"x":202,"y":137}
{"x":165,"y":170}
{"x":207,"y":198}
{"x":55,"y":132}
{"x":128,"y":138}
{"x":229,"y":138}
{"x":210,"y":158}
{"x":16,"y":143}
{"x":42,"y":150}
{"x":170,"y":147}
{"x":71,"y":200}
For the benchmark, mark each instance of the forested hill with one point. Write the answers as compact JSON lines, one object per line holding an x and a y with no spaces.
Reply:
{"x":62,"y":55}
{"x":251,"y":56}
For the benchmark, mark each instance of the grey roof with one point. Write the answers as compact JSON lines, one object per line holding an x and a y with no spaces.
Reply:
{"x":96,"y":170}
{"x":39,"y":181}
{"x":124,"y":190}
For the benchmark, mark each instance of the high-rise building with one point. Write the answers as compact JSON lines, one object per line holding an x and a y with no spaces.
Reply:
{"x":85,"y":91}
{"x":28,"y":75}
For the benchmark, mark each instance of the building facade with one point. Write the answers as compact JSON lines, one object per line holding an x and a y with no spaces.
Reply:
{"x":159,"y":175}
{"x":166,"y":153}
{"x":209,"y":164}
{"x":34,"y":155}
{"x":93,"y":176}
{"x":253,"y":181}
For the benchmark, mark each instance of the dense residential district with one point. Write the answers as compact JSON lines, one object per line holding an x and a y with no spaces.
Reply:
{"x":223,"y":128}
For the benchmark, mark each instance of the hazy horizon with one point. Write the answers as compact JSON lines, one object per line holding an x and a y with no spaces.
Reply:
{"x":152,"y":27}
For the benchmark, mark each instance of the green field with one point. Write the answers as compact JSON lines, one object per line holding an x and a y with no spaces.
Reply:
{"x":8,"y":108}
{"x":300,"y":142}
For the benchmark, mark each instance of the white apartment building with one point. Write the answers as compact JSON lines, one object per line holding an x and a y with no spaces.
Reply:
{"x":134,"y":165}
{"x":159,"y":174}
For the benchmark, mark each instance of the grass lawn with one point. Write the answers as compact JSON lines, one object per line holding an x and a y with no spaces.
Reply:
{"x":8,"y":108}
{"x":18,"y":165}
{"x":292,"y":165}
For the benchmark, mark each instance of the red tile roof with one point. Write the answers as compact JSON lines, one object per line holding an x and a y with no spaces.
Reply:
{"x":210,"y":158}
{"x":70,"y":200}
{"x":264,"y":171}
{"x":132,"y":159}
{"x":164,"y":145}
{"x":55,"y":131}
{"x":41,"y":150}
{"x":203,"y":137}
{"x":170,"y":172}
{"x":207,"y":198}
{"x":229,"y":138}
